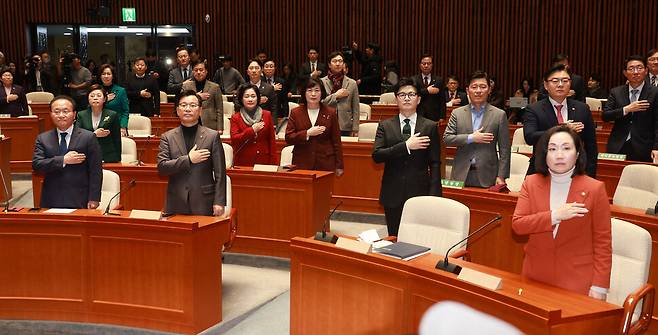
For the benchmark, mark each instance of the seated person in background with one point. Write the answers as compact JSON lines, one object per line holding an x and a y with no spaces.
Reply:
{"x":516,"y":114}
{"x":496,"y":97}
{"x":103,"y":122}
{"x":479,"y":130}
{"x":634,"y":109}
{"x":12,"y":97}
{"x":455,"y":96}
{"x":228,"y":78}
{"x":342,"y":94}
{"x":527,"y":87}
{"x":70,"y":159}
{"x":313,"y":130}
{"x":252,"y":132}
{"x":143,"y":90}
{"x":567,"y":216}
{"x":197,"y":174}
{"x":117,"y":99}
{"x":558,"y":109}
{"x":212,"y":105}
{"x":594,"y":89}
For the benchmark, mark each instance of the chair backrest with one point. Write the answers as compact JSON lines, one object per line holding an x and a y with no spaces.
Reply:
{"x":228,"y":108}
{"x":387,"y":98}
{"x":593,"y":103}
{"x":367,"y":131}
{"x":29,"y":110}
{"x":518,"y":169}
{"x":421,"y":225}
{"x":364,"y":111}
{"x":631,"y":260}
{"x":229,"y":195}
{"x":228,"y":155}
{"x":111,"y":186}
{"x":139,"y":125}
{"x":292,"y":105}
{"x":128,"y":150}
{"x":163,"y":97}
{"x":637,"y":187}
{"x":224,"y":97}
{"x":517,"y":138}
{"x":286,"y":155}
{"x":39,"y":97}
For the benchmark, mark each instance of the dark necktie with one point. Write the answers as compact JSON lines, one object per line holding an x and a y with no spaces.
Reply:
{"x":62,"y":144}
{"x":312,"y":68}
{"x":427,"y":81}
{"x":269,"y":81}
{"x":185,"y":73}
{"x":653,"y":80}
{"x":560,"y":119}
{"x":406,"y":130}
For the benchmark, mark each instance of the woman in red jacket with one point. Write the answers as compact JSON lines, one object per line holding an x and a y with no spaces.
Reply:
{"x":252,"y":132}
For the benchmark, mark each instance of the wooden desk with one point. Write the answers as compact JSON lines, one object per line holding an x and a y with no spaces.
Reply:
{"x":5,"y":167}
{"x":85,"y":267}
{"x":147,"y":148}
{"x":336,"y":291}
{"x":23,"y":132}
{"x":160,"y":124}
{"x":43,"y":112}
{"x":274,"y":207}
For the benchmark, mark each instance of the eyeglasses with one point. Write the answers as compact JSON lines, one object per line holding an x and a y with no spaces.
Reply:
{"x":404,"y":95}
{"x":557,"y":81}
{"x":337,"y":61}
{"x":638,"y":68}
{"x":185,"y":106}
{"x":653,"y":59}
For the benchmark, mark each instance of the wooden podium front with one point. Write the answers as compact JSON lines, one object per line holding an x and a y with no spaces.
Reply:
{"x":23,"y":133}
{"x":5,"y":183}
{"x":336,"y":291}
{"x":274,"y":207}
{"x":85,"y":267}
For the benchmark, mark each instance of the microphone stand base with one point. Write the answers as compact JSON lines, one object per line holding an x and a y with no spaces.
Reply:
{"x":326,"y":237}
{"x":110,"y":213}
{"x":651,"y":211}
{"x":448,"y":267}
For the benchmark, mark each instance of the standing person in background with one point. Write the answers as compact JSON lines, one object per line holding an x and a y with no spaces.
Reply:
{"x":93,"y":68}
{"x":312,"y":68}
{"x":212,"y":104}
{"x":180,"y":73}
{"x":281,"y":90}
{"x":228,"y":78}
{"x":80,"y":81}
{"x":142,"y":90}
{"x":117,"y":98}
{"x":268,"y":98}
{"x":343,"y":95}
{"x":430,"y":88}
{"x":370,"y":82}
{"x":12,"y":97}
{"x":496,"y":97}
{"x":252,"y":131}
{"x":103,"y":122}
{"x":290,"y":79}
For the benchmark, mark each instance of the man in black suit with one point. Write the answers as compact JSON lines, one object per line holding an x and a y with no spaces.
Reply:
{"x":454,"y":95}
{"x":281,"y":90}
{"x":634,"y":109}
{"x":142,"y":90}
{"x":409,"y":147}
{"x":70,"y":158}
{"x":312,"y":68}
{"x":652,"y":66}
{"x":180,"y":73}
{"x":558,"y":109}
{"x":578,"y":89}
{"x":432,"y":100}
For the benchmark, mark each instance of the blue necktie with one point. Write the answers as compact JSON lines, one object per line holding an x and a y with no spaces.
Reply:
{"x":62,"y":144}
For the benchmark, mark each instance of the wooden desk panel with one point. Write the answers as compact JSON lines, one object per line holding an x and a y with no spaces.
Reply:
{"x":85,"y":267}
{"x":5,"y":167}
{"x":147,"y":148}
{"x":336,"y":291}
{"x":24,"y":132}
{"x":43,"y":112}
{"x":160,"y":124}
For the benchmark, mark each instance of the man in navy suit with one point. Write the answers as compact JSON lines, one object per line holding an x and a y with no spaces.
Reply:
{"x":634,"y":109}
{"x":454,"y":95}
{"x":430,"y":87}
{"x":409,"y":147}
{"x":70,"y":158}
{"x":558,"y":109}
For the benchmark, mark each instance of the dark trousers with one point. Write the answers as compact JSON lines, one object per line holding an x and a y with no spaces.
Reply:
{"x":631,"y":155}
{"x":345,"y":133}
{"x":393,"y":216}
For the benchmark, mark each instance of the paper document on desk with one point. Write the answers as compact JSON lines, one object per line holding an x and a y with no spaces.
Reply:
{"x":369,"y":236}
{"x":60,"y":210}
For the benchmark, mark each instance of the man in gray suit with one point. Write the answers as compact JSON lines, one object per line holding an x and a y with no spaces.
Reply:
{"x":476,"y":129}
{"x":192,"y":157}
{"x":212,"y":106}
{"x":342,"y":94}
{"x":180,"y":73}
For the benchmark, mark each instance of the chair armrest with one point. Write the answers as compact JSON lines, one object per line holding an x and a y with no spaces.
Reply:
{"x":233,"y":229}
{"x":646,"y":294}
{"x":462,"y":253}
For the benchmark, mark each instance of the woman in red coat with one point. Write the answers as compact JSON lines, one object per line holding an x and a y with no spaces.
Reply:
{"x":252,"y":132}
{"x":313,"y":130}
{"x":567,"y":217}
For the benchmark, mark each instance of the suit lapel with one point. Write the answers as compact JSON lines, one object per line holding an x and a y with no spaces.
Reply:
{"x":179,"y":140}
{"x":323,"y":117}
{"x":626,"y":96}
{"x":398,"y":131}
{"x":200,"y":137}
{"x":550,"y":112}
{"x":75,"y":137}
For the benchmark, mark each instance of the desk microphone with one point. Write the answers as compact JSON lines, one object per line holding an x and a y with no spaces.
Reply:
{"x":322,"y":235}
{"x":125,"y":188}
{"x":454,"y":268}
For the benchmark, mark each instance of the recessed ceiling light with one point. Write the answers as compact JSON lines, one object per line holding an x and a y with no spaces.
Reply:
{"x":67,"y":34}
{"x":140,"y":34}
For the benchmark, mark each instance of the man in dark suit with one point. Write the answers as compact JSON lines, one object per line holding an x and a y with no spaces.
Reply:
{"x":409,"y":147}
{"x":634,"y":109}
{"x":652,"y":66}
{"x":142,"y":90}
{"x":432,"y":100}
{"x":558,"y":109}
{"x":180,"y":73}
{"x":455,"y":96}
{"x":312,"y":68}
{"x":281,"y":90}
{"x":578,"y":89}
{"x":268,"y":98}
{"x":193,"y":158}
{"x":70,"y":158}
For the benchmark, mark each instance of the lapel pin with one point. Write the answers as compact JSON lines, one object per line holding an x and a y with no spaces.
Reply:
{"x":583,"y":194}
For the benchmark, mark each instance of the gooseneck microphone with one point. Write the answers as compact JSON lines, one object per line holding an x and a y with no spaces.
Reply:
{"x":125,"y":188}
{"x":454,"y":268}
{"x":322,"y":235}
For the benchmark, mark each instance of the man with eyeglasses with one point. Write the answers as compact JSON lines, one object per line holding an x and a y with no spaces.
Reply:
{"x":634,"y":110}
{"x":578,"y":89}
{"x":70,"y":159}
{"x":432,"y":103}
{"x":192,"y":157}
{"x":652,"y":65}
{"x":559,"y":108}
{"x":408,"y":145}
{"x":477,"y":130}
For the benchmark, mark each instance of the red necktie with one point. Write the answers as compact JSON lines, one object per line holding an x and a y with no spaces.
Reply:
{"x":560,"y":119}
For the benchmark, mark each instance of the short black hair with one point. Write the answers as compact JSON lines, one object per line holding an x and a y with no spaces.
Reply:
{"x":405,"y":82}
{"x":187,"y":93}
{"x":651,"y":52}
{"x":595,"y":77}
{"x":478,"y":74}
{"x":556,"y":68}
{"x":426,"y":55}
{"x":203,"y":62}
{"x":542,"y":150}
{"x":308,"y":83}
{"x":257,"y":61}
{"x":138,"y":59}
{"x":61,"y":97}
{"x":243,"y":88}
{"x":632,"y":58}
{"x":99,"y":87}
{"x":179,"y":49}
{"x":333,"y":55}
{"x":453,"y":77}
{"x":313,"y":47}
{"x":559,"y":58}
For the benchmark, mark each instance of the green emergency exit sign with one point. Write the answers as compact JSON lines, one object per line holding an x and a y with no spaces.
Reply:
{"x":129,"y":14}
